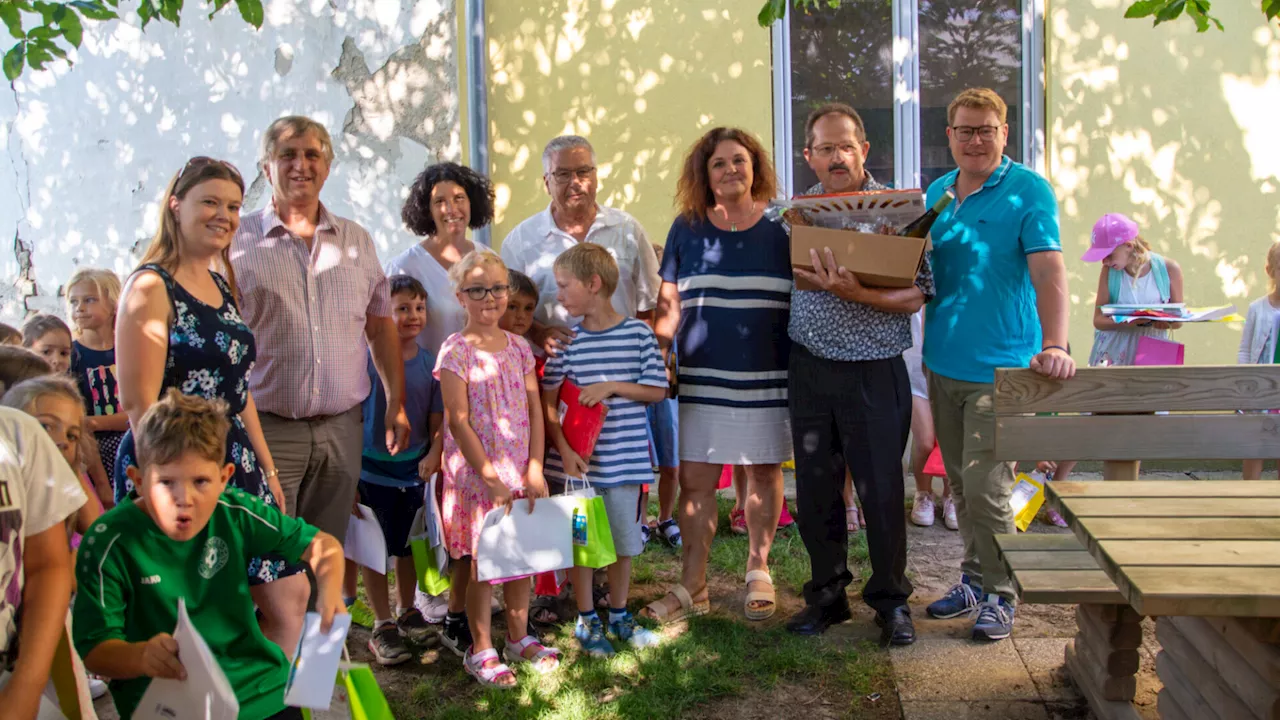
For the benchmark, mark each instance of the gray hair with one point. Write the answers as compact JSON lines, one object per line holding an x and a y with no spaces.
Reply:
{"x":562,"y":143}
{"x":293,"y":126}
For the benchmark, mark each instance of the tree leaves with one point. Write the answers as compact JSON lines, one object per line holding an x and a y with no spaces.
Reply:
{"x":59,"y":25}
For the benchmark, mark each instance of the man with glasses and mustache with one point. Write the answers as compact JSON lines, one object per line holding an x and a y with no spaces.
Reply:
{"x":1001,"y":302}
{"x":569,"y":175}
{"x":850,"y":403}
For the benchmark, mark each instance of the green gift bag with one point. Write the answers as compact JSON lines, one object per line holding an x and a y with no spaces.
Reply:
{"x":366,"y":698}
{"x":592,"y":538}
{"x":430,"y":581}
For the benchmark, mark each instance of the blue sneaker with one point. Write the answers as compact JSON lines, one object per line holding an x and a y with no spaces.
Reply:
{"x":961,"y":599}
{"x":995,"y":619}
{"x":591,"y":637}
{"x":627,"y":630}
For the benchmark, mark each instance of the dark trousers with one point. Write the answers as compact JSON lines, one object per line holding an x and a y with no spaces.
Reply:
{"x":855,"y":415}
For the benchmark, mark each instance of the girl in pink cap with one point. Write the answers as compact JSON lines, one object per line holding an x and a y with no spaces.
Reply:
{"x":1131,"y":274}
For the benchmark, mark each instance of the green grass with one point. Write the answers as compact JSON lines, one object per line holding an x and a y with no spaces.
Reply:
{"x":720,"y":659}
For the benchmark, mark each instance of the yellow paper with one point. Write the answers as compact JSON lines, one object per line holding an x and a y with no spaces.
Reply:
{"x":1028,"y":496}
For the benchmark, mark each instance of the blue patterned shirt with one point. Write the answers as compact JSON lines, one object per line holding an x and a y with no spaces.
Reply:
{"x":833,"y":328}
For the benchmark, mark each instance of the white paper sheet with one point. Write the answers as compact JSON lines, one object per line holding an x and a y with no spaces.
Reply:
{"x":365,"y":544}
{"x":315,"y":664}
{"x":204,"y":695}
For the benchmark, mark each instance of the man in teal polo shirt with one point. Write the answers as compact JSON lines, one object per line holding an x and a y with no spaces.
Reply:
{"x":1001,"y":302}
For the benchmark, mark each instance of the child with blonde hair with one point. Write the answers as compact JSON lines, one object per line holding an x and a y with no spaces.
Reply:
{"x":493,"y":448}
{"x":1258,"y":345}
{"x":92,"y":297}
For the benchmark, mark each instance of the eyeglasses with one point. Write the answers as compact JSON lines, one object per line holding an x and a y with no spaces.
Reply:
{"x":479,"y":293}
{"x":826,"y":151}
{"x":965,"y":133}
{"x":201,"y":161}
{"x":582,"y":173}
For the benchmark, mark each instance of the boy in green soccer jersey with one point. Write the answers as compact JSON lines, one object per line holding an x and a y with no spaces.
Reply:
{"x":184,"y":537}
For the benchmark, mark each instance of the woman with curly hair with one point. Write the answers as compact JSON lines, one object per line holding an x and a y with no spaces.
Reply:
{"x":445,"y":200}
{"x":725,"y":302}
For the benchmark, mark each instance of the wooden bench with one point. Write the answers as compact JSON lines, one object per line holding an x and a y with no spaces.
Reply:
{"x":1108,"y":414}
{"x":1103,"y":656}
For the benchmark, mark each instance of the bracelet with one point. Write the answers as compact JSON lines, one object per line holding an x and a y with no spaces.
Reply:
{"x":1055,"y":347}
{"x":268,"y":474}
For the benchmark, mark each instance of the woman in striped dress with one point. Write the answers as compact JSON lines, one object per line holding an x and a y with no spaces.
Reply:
{"x":725,"y":299}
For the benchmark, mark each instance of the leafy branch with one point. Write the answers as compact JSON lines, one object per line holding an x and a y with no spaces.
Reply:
{"x":55,"y":27}
{"x":1161,"y":10}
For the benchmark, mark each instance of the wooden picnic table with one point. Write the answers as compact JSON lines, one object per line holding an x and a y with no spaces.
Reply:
{"x":1203,"y":558}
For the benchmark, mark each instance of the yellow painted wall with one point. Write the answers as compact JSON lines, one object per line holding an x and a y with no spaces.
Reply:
{"x":1176,"y":129}
{"x":641,"y":79}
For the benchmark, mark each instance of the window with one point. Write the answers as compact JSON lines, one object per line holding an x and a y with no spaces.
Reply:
{"x":899,"y":63}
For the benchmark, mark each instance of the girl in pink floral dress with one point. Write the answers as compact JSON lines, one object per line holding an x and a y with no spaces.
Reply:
{"x":493,"y":445}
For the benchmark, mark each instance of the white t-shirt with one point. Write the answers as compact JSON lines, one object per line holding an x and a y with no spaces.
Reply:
{"x":533,"y":246}
{"x":37,"y":491}
{"x":445,"y":315}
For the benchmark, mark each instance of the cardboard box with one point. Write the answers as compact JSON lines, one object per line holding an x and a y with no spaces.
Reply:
{"x":886,"y":261}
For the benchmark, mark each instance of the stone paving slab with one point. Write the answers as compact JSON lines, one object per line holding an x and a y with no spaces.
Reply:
{"x":1044,"y":660}
{"x":939,"y":669}
{"x":983,"y":710}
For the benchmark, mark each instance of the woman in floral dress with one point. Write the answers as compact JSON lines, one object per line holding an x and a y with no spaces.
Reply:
{"x":179,"y":326}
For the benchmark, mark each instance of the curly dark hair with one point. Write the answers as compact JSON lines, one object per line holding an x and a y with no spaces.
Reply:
{"x":693,"y":189}
{"x":416,"y":212}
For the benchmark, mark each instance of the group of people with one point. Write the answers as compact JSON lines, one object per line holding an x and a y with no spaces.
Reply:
{"x":272,"y":355}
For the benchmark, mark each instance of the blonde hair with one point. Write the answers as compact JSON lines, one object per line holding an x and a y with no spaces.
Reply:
{"x":1273,"y":262}
{"x":1139,"y":254}
{"x":23,"y":395}
{"x":471,"y":261}
{"x":105,"y":282}
{"x":978,"y":99}
{"x":293,"y":126}
{"x":179,"y":424}
{"x":165,"y":249}
{"x":585,"y":260}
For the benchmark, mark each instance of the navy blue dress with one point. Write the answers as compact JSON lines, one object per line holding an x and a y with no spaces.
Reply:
{"x":211,"y":352}
{"x":95,"y":373}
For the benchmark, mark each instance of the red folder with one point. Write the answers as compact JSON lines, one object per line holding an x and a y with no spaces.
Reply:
{"x":581,"y":424}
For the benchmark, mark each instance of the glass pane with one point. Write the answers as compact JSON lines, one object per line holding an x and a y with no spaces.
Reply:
{"x":963,"y":44}
{"x":844,"y":55}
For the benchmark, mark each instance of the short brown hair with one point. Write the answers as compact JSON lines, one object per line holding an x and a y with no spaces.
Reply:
{"x":587,"y":259}
{"x":9,"y":335}
{"x":18,"y":364}
{"x":693,"y":190}
{"x":178,"y":424}
{"x":41,"y":325}
{"x":834,"y":109}
{"x":978,"y":99}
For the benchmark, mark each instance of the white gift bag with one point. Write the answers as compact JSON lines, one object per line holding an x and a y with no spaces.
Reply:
{"x":524,"y":543}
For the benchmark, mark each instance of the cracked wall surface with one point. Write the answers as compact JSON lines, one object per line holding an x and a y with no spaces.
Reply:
{"x":90,"y":147}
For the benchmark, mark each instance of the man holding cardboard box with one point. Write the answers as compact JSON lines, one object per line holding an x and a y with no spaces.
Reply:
{"x":1002,"y":302}
{"x":850,"y":400}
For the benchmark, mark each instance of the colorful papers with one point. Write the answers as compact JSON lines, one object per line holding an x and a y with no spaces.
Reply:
{"x":204,"y":695}
{"x":1170,"y":312}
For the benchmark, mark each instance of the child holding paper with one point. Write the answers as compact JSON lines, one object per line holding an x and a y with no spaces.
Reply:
{"x":391,"y":485}
{"x":1132,"y":275}
{"x":184,"y":537}
{"x":493,"y":446}
{"x":1258,"y":345}
{"x":615,"y":360}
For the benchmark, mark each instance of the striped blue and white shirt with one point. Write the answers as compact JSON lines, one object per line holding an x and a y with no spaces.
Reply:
{"x":626,"y":352}
{"x":735,"y":300}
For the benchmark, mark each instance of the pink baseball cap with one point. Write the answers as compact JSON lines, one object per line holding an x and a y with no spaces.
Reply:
{"x":1109,"y":233}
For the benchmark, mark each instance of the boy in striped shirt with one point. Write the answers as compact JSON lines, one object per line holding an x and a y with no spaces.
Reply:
{"x":615,"y":360}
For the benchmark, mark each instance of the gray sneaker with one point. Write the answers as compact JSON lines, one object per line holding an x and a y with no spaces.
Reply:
{"x":388,"y":647}
{"x":415,"y":628}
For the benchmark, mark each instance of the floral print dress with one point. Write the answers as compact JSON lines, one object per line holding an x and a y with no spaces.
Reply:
{"x":499,"y":410}
{"x":211,"y":352}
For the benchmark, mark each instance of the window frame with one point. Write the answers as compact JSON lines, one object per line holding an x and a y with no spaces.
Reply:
{"x":906,"y":92}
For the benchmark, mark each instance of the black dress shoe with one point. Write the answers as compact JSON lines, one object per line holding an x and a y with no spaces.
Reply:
{"x":897,"y":627}
{"x":814,"y":620}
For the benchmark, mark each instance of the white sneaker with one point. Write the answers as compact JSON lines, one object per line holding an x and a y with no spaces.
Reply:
{"x":949,"y":513}
{"x":922,"y":509}
{"x":97,"y":688}
{"x":432,"y":607}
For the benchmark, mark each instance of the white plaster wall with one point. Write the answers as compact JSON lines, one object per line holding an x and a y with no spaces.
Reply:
{"x":89,"y":147}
